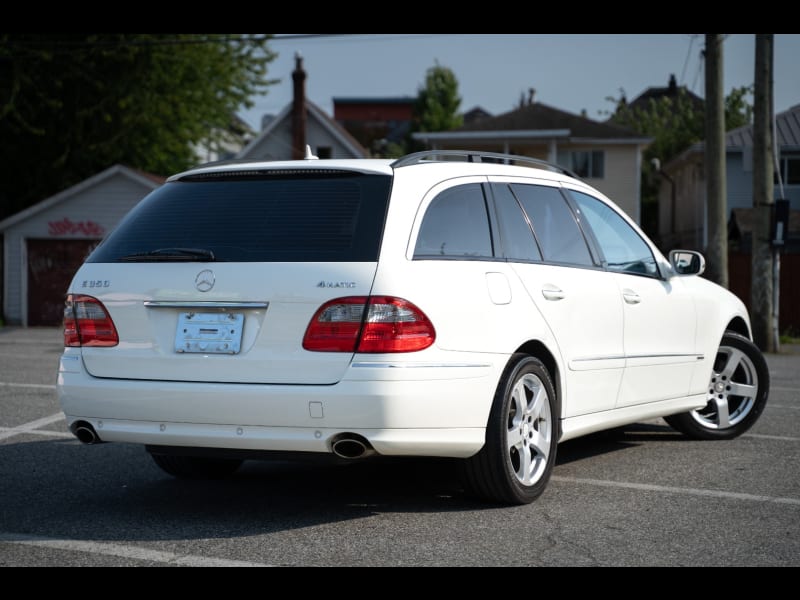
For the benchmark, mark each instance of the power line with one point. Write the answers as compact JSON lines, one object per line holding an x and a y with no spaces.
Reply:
{"x":699,"y":69}
{"x":692,"y":38}
{"x":185,"y":40}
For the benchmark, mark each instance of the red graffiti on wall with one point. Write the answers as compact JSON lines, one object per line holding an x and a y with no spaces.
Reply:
{"x":67,"y":227}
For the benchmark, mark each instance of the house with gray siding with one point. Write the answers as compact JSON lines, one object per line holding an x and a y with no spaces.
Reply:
{"x":44,"y":245}
{"x":682,"y":209}
{"x":682,"y":195}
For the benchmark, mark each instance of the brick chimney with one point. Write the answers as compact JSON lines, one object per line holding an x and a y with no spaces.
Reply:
{"x":299,"y":109}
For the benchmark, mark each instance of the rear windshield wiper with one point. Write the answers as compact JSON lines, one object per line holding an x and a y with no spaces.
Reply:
{"x":170,"y":255}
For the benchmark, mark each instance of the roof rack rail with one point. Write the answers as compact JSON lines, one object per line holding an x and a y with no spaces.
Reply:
{"x":476,"y":156}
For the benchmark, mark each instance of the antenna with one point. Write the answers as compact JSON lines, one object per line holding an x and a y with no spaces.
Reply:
{"x":310,"y":155}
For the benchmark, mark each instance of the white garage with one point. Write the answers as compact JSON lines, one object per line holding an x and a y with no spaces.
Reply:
{"x":45,"y":244}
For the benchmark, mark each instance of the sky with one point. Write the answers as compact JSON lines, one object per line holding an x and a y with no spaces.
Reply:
{"x":568,"y":71}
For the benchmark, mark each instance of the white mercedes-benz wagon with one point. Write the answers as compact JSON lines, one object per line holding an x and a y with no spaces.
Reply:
{"x":448,"y":303}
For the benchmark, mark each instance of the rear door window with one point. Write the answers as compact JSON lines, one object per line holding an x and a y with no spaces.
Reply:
{"x":267,"y":216}
{"x":515,"y":229}
{"x":557,"y":232}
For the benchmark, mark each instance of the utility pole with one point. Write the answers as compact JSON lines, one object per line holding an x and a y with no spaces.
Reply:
{"x":716,"y":197}
{"x":761,"y":291}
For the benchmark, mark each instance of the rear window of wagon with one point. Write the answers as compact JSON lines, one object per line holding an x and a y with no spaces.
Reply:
{"x":266,"y":216}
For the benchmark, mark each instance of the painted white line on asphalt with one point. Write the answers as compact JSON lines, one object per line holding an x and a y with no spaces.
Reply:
{"x":784,"y":438}
{"x":28,"y":427}
{"x":37,"y":386}
{"x":124,"y":551}
{"x":783,"y":406}
{"x":677,"y":490}
{"x":42,"y":432}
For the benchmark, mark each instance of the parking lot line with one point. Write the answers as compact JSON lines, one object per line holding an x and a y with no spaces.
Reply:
{"x":785,"y":438}
{"x":38,"y":386}
{"x":30,"y":426}
{"x":123,"y":551}
{"x":677,"y":490}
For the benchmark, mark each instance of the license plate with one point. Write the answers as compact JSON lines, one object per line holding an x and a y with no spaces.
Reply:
{"x":209,"y":333}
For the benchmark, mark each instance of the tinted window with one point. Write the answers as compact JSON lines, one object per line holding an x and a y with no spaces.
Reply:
{"x":622,"y":247}
{"x":518,"y":240}
{"x":255,"y":217}
{"x":554,"y":225}
{"x":456,"y":224}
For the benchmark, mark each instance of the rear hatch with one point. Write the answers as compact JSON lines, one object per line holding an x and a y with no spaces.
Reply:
{"x":214,"y":277}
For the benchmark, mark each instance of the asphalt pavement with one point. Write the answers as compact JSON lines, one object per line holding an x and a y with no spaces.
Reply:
{"x":642,"y":495}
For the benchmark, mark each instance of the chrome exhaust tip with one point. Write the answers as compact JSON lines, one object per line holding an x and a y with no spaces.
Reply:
{"x":352,"y":446}
{"x":85,"y":432}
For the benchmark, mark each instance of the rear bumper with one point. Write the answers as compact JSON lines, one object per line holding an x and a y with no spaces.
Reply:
{"x":416,"y":410}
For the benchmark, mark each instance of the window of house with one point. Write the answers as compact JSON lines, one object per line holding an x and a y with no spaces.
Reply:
{"x":324,"y":152}
{"x":557,"y":232}
{"x":588,"y":164}
{"x":456,"y":225}
{"x":790,"y":169}
{"x":622,"y":247}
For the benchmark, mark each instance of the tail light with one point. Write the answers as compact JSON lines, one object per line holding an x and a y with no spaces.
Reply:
{"x":374,"y":324}
{"x":87,"y":323}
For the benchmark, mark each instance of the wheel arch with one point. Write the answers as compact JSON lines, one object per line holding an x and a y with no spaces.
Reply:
{"x":738,"y":325}
{"x":538,"y":350}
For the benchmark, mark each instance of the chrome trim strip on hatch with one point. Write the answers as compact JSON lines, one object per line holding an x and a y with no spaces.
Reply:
{"x":202,"y":305}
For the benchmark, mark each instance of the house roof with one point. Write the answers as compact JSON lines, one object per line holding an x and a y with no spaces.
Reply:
{"x":671,"y":90}
{"x":546,"y":120}
{"x":374,"y":100}
{"x":541,"y":116}
{"x":148,"y":180}
{"x":476,"y":113}
{"x":787,"y":136}
{"x":787,"y":131}
{"x":315,"y":111}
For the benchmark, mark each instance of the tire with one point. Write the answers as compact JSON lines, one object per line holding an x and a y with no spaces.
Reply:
{"x":515,"y":463}
{"x":737,"y":393}
{"x":196,"y":467}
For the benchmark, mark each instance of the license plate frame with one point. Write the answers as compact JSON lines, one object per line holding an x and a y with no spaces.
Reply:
{"x":209,"y":333}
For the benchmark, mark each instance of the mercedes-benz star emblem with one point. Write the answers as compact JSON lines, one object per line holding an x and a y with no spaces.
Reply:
{"x":204,"y":280}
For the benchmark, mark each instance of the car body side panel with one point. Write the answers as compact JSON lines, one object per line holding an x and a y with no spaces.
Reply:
{"x":716,"y":308}
{"x":587,"y":316}
{"x":660,"y":338}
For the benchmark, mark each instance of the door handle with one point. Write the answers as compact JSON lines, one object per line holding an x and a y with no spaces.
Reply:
{"x":551,"y":292}
{"x":631,"y":297}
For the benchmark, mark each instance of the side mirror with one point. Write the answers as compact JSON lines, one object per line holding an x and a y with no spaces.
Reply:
{"x":687,"y":262}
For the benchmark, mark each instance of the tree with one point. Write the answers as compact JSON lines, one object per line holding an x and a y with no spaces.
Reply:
{"x":437,"y":103}
{"x":74,"y":104}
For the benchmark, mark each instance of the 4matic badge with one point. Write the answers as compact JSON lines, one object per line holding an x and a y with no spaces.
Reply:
{"x":336,"y":284}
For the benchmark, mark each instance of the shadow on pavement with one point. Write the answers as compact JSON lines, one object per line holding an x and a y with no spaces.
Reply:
{"x":114,"y":492}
